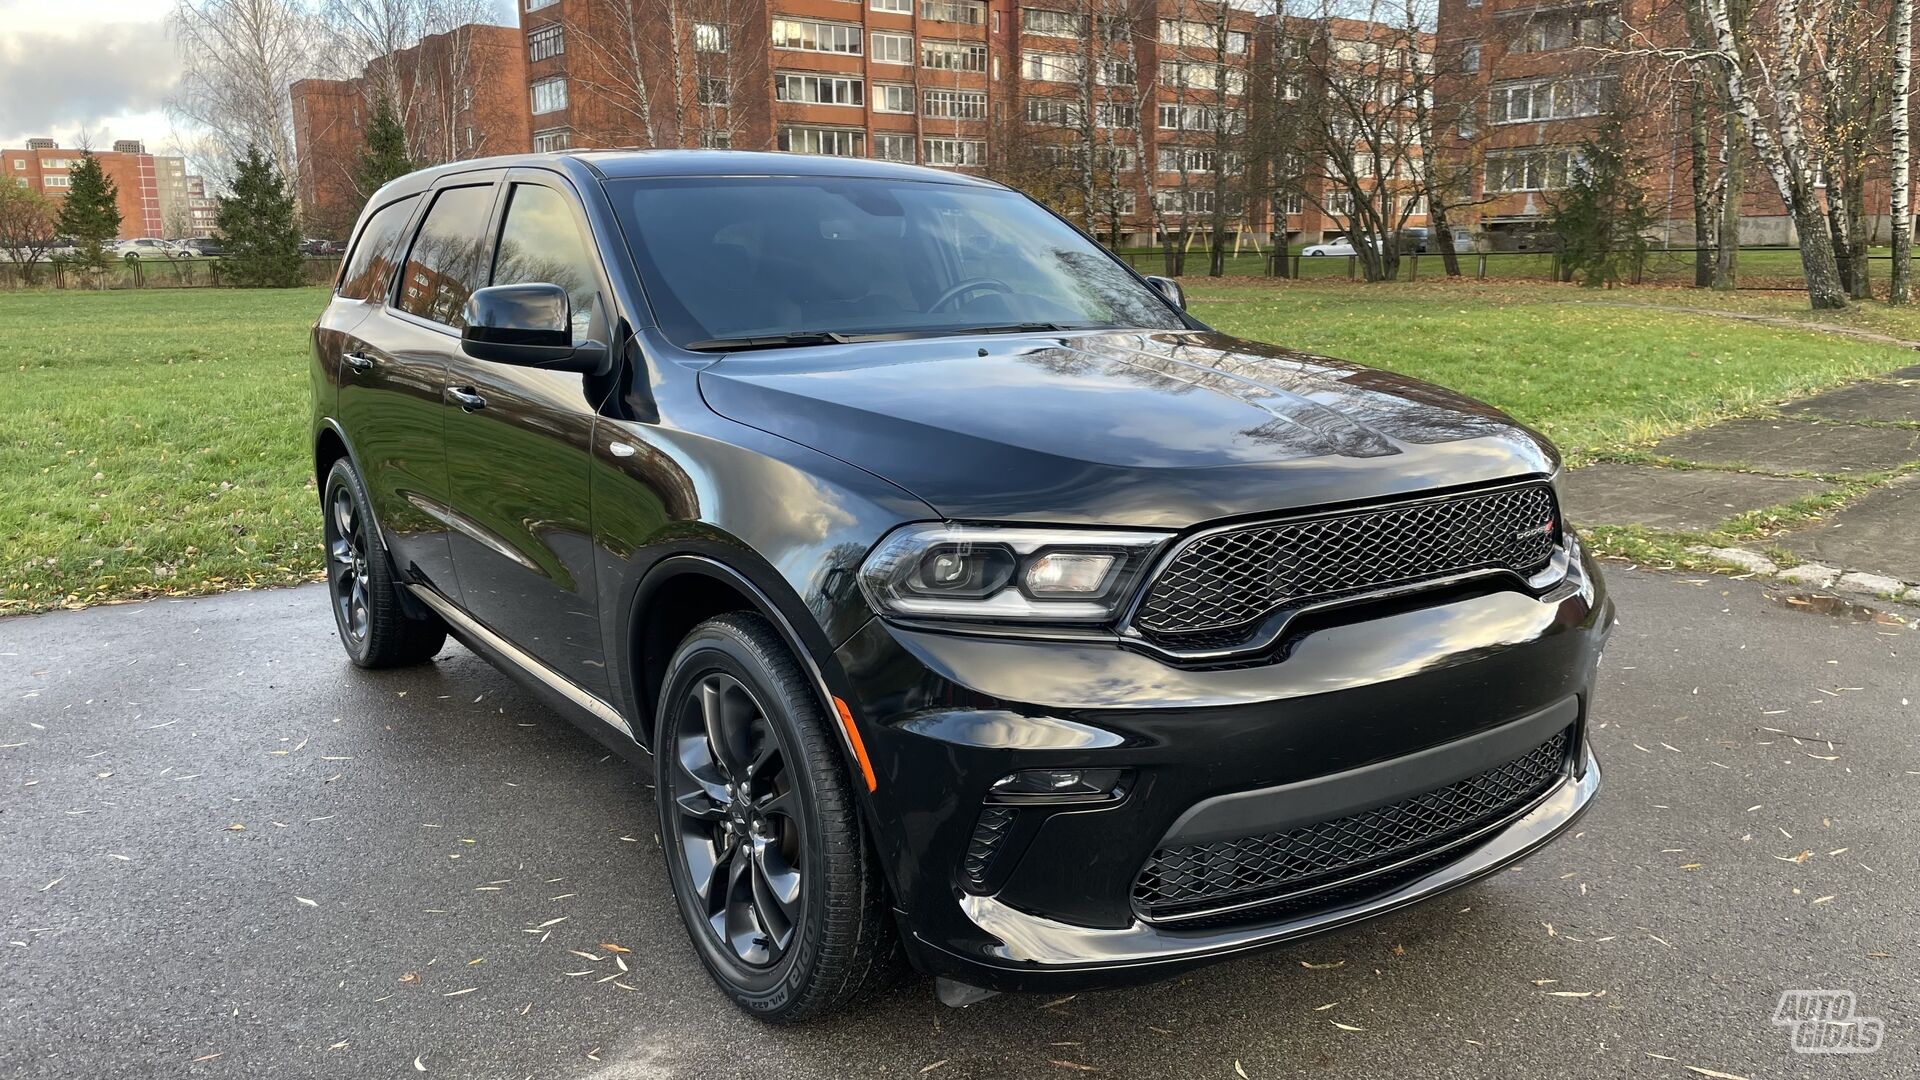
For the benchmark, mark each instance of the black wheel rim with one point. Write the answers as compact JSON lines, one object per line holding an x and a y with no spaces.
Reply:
{"x":737,"y":824}
{"x":347,"y":564}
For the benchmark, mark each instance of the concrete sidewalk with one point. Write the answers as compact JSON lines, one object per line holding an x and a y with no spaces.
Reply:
{"x":1860,"y":443}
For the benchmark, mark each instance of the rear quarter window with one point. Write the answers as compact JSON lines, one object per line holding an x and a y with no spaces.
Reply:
{"x":370,"y":267}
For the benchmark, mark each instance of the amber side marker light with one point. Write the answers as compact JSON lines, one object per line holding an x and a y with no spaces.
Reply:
{"x":859,"y":748}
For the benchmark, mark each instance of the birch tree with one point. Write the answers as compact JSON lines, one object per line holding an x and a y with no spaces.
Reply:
{"x":1782,"y":75}
{"x":238,"y":59}
{"x":1899,"y":158}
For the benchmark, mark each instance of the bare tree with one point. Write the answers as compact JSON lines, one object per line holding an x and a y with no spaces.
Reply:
{"x":239,"y":58}
{"x":618,"y":53}
{"x":725,"y":78}
{"x":1781,"y":72}
{"x":26,"y":227}
{"x":1364,"y":127}
{"x":429,"y":85}
{"x":1900,"y":157}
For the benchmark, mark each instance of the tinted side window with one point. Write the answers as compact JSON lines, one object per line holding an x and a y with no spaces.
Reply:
{"x":378,"y":248}
{"x":541,"y":242}
{"x":448,"y":256}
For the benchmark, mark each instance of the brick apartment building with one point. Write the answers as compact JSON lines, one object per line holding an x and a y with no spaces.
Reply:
{"x":942,"y":83}
{"x":158,"y":197}
{"x":1539,"y":77}
{"x":458,"y":95}
{"x":933,"y":82}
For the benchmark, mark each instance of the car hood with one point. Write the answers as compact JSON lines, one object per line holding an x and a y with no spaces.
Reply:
{"x":1161,"y":429}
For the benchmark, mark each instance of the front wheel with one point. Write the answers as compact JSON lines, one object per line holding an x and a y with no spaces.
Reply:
{"x":765,"y":850}
{"x":375,"y":629}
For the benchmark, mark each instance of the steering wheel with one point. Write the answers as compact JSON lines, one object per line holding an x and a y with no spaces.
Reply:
{"x":987,"y":284}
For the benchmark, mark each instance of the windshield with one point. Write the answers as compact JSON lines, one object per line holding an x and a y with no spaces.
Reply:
{"x":735,"y":258}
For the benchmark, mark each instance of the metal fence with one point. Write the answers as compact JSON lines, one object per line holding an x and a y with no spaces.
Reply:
{"x":1759,"y":268}
{"x":192,"y":273}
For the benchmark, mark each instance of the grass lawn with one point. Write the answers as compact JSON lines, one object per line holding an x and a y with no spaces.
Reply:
{"x":1598,"y":371}
{"x":154,"y":441}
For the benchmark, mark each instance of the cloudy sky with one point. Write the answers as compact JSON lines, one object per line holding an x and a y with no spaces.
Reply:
{"x":95,"y":68}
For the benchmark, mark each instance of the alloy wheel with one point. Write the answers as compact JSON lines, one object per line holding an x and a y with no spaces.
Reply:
{"x":347,"y":564}
{"x":738,"y":829}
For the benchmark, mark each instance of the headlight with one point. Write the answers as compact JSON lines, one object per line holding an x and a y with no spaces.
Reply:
{"x":1006,"y":572}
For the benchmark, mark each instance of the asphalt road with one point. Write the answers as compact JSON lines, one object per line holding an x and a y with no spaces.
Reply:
{"x":223,"y":852}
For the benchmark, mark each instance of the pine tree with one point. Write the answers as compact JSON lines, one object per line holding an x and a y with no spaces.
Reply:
{"x":1602,"y":215}
{"x":257,"y":222}
{"x":384,"y":158}
{"x":90,"y":214}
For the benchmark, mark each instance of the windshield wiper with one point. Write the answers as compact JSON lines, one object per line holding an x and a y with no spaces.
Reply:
{"x":775,"y":341}
{"x":1009,"y":328}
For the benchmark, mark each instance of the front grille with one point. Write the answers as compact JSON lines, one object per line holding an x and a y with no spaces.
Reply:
{"x":1216,"y":588}
{"x":1197,"y":878}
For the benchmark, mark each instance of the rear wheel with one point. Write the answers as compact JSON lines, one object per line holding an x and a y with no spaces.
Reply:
{"x":375,"y":629}
{"x":765,"y":848}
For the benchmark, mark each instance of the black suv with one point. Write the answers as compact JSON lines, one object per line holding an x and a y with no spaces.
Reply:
{"x":974,"y":603}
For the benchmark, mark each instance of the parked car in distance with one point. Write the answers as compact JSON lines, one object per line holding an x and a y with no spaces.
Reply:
{"x":206,"y":246}
{"x":322,"y":247}
{"x":965,"y":597}
{"x":145,"y":248}
{"x":1342,"y":246}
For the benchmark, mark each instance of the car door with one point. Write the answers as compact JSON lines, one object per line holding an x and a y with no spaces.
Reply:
{"x":518,"y":445}
{"x":390,"y":396}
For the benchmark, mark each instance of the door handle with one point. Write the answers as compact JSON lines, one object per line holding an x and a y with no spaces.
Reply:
{"x":464,"y":397}
{"x":359,"y":361}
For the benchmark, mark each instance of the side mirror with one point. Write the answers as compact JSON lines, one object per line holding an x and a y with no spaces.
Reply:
{"x":1170,"y":289}
{"x":528,"y":326}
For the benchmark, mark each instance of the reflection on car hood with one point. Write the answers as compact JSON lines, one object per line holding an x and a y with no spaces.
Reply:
{"x":1160,"y":429}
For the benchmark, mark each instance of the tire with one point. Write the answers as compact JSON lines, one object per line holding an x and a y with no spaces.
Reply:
{"x":767,"y":815}
{"x":375,"y":629}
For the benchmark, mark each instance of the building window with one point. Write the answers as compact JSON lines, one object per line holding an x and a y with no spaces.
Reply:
{"x":947,"y":153}
{"x":1200,"y":118}
{"x":898,"y":7}
{"x":546,"y":142}
{"x":971,"y":12}
{"x":807,"y":35}
{"x":955,"y":104}
{"x":892,"y":98}
{"x":717,"y":140}
{"x":1044,"y":22}
{"x":545,"y":41}
{"x":713,"y":90}
{"x":888,"y":147}
{"x":953,"y":56}
{"x":56,"y":181}
{"x":1536,"y":169}
{"x":1548,"y":99}
{"x":1116,"y":114}
{"x":1470,"y":58}
{"x":836,"y":142}
{"x":536,"y":5}
{"x":549,"y":95}
{"x":1054,"y":112}
{"x":819,"y":89}
{"x":1202,"y":35}
{"x":709,"y":37}
{"x":1201,"y":75}
{"x":1049,"y":67}
{"x":891,"y":48}
{"x":1192,"y":201}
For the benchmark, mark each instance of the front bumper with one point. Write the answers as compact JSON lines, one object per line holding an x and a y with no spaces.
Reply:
{"x":1360,"y":713}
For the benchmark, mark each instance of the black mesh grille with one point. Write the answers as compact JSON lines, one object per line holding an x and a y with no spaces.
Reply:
{"x":987,"y":834}
{"x":1200,"y":877}
{"x":1224,"y":582}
